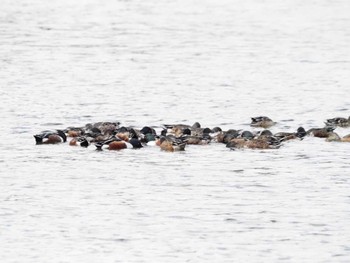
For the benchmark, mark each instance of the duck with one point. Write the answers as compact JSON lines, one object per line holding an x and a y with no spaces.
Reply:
{"x":105,"y":127}
{"x":171,"y":144}
{"x":338,"y":122}
{"x":79,"y":141}
{"x":114,"y":144}
{"x":285,"y":136}
{"x":236,"y":143}
{"x":148,"y":136}
{"x":262,"y":121}
{"x":321,"y":132}
{"x":50,"y":137}
{"x":333,"y":137}
{"x":255,"y":143}
{"x":74,"y":131}
{"x":197,"y":140}
{"x":177,"y":129}
{"x":150,"y":139}
{"x":94,"y":134}
{"x":260,"y":140}
{"x":226,"y":136}
{"x":148,"y":130}
{"x":182,"y":126}
{"x":127,"y":133}
{"x":201,"y":131}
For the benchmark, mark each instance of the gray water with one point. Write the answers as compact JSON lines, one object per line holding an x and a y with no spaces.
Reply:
{"x":66,"y":63}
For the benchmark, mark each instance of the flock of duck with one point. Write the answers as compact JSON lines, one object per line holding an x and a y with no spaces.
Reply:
{"x":175,"y":137}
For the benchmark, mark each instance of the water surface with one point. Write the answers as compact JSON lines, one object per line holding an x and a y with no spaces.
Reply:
{"x":67,"y":63}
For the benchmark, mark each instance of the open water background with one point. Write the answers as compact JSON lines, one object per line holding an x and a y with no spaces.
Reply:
{"x":67,"y":63}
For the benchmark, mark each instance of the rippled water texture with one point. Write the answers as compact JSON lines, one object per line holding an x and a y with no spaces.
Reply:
{"x":65,"y":63}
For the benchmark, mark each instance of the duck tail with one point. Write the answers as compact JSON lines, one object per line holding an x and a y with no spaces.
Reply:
{"x":168,"y":126}
{"x":274,"y":141}
{"x":85,"y":143}
{"x":181,"y":147}
{"x":98,"y":146}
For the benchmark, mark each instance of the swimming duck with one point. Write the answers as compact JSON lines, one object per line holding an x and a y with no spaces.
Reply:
{"x":150,"y":139}
{"x":114,"y":144}
{"x":201,"y":131}
{"x":79,"y":141}
{"x":320,"y":132}
{"x":148,"y":130}
{"x":333,"y":137}
{"x":74,"y":131}
{"x":50,"y":137}
{"x":260,"y":140}
{"x":127,"y":133}
{"x":177,"y":129}
{"x":285,"y":136}
{"x":148,"y":136}
{"x":197,"y":140}
{"x":105,"y":128}
{"x":339,"y":121}
{"x":253,"y":144}
{"x":226,"y":136}
{"x":262,"y":121}
{"x":171,"y":144}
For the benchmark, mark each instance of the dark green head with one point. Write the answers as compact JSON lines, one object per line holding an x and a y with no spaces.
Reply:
{"x":150,"y":137}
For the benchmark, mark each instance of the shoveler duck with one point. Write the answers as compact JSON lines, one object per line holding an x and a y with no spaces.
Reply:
{"x":150,"y":139}
{"x":171,"y":144}
{"x":177,"y":129}
{"x":50,"y":137}
{"x":236,"y":143}
{"x":321,"y":132}
{"x":148,"y":136}
{"x":148,"y":130}
{"x":197,"y":140}
{"x":333,"y":137}
{"x":117,"y":144}
{"x":262,"y":121}
{"x":201,"y":131}
{"x":79,"y":141}
{"x":285,"y":136}
{"x":126,"y":134}
{"x":226,"y":136}
{"x":105,"y":127}
{"x":74,"y":131}
{"x":253,"y":144}
{"x":338,"y":122}
{"x":262,"y":140}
